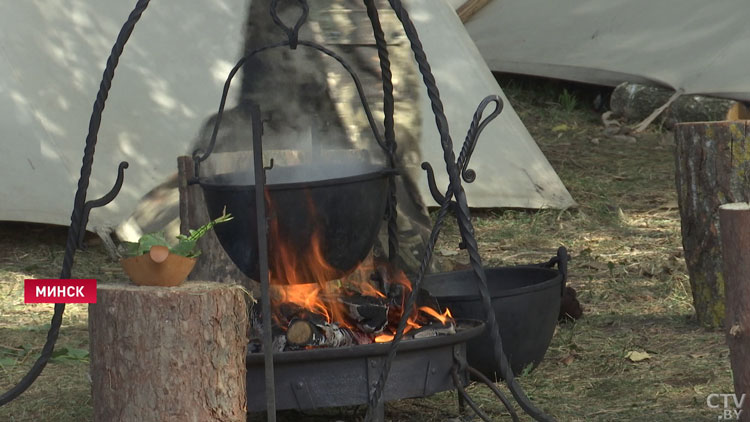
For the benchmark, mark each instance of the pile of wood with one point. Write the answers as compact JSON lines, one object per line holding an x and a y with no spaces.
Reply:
{"x":363,"y":317}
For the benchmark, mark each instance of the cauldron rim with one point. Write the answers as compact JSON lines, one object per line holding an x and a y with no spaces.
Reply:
{"x":208,"y":181}
{"x":471,"y":292}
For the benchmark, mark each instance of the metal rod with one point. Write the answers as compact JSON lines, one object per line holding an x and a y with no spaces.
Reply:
{"x":488,"y":382}
{"x":467,"y":399}
{"x":77,"y":219}
{"x":265,"y":295}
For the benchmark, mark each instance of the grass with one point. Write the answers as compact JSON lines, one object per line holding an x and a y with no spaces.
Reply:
{"x":627,"y":267}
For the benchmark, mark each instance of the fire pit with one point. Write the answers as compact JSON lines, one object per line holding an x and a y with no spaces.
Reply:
{"x":345,"y":376}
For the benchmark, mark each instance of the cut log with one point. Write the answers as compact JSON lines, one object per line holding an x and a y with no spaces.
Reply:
{"x":368,"y":312}
{"x":168,"y":354}
{"x":712,"y":168}
{"x":635,"y":102}
{"x":302,"y":333}
{"x":735,"y":242}
{"x":700,"y":108}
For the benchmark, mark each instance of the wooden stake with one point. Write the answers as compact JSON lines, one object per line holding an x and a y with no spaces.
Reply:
{"x":734,"y":220}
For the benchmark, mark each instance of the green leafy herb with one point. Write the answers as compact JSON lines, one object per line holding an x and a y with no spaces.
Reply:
{"x":186,"y":245}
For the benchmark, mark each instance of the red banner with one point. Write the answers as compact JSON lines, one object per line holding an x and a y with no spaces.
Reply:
{"x":59,"y":290}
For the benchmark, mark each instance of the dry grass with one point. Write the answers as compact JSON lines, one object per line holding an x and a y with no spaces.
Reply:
{"x":627,"y":267}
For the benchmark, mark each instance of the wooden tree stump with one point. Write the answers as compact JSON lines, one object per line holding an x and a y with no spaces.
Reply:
{"x":735,"y":243}
{"x":712,"y":168}
{"x":169,"y":354}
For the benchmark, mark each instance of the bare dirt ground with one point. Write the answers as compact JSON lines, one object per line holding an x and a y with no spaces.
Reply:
{"x":627,"y":267}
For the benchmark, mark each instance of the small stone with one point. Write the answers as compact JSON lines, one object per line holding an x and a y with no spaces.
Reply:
{"x":595,"y":141}
{"x":611,"y":130}
{"x":625,"y":139}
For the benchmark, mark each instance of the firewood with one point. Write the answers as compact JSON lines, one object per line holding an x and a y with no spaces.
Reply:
{"x":369,"y":312}
{"x":635,"y":102}
{"x":306,"y":333}
{"x":301,"y":333}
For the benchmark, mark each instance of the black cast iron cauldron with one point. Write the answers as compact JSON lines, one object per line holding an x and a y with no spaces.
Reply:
{"x":526,"y":300}
{"x":344,"y":212}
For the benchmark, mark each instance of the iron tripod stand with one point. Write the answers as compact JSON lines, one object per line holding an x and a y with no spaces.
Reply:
{"x":81,"y":207}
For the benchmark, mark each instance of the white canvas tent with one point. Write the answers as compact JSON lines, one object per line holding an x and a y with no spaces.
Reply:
{"x":696,"y":45}
{"x":169,"y":80}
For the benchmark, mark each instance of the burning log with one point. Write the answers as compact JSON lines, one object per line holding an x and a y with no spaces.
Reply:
{"x":370,"y":313}
{"x":302,"y":333}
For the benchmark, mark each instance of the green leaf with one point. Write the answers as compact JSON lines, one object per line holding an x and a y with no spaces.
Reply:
{"x":131,"y":248}
{"x":7,"y":362}
{"x":149,"y":240}
{"x":185,"y":247}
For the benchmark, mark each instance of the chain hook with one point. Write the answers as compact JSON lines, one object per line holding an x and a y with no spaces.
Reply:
{"x":291,"y":33}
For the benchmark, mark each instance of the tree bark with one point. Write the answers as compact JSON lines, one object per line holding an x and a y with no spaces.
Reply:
{"x":169,"y":354}
{"x":712,"y":168}
{"x":735,"y":242}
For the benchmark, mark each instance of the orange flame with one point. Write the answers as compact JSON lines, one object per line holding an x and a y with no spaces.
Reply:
{"x":443,"y":318}
{"x":302,"y":278}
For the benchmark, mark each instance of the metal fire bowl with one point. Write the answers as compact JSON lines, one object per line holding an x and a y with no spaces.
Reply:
{"x":343,"y":376}
{"x":346,"y":211}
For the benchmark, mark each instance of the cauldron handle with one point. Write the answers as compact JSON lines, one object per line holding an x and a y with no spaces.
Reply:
{"x":561,"y":260}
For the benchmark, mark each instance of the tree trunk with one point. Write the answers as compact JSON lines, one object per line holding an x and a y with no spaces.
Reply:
{"x":169,"y":354}
{"x":712,"y":168}
{"x":735,"y":242}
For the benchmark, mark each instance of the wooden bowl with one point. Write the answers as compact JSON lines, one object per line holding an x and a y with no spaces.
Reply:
{"x":143,"y":270}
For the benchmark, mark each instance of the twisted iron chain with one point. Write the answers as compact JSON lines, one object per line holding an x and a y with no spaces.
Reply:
{"x":464,"y":222}
{"x":76,"y":218}
{"x":388,"y":124}
{"x":377,"y":393}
